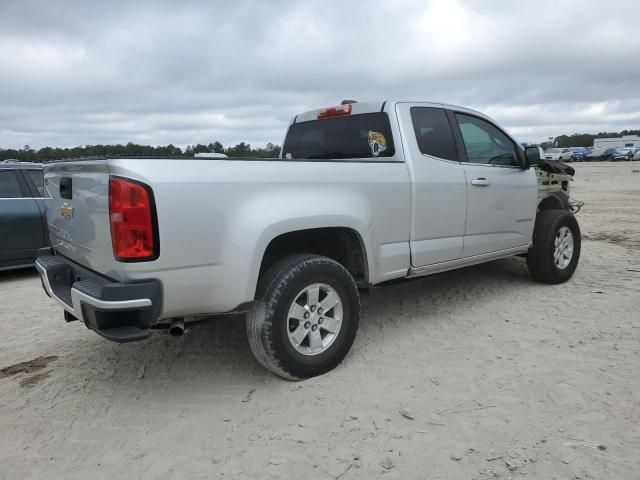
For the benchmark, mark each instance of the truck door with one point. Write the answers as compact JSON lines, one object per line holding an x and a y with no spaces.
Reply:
{"x":21,"y":232}
{"x":439,"y":194}
{"x":502,"y":197}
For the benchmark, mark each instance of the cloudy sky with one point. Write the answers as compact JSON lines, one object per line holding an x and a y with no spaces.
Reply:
{"x":184,"y":72}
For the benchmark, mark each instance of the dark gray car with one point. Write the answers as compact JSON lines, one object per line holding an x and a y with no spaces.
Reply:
{"x":23,"y":229}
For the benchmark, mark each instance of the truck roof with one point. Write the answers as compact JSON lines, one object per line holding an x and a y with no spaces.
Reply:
{"x":379,"y":106}
{"x":20,"y":166}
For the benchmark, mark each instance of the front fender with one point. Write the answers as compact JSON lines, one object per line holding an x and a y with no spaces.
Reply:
{"x":555,"y":200}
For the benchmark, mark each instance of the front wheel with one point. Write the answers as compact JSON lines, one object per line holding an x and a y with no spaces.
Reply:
{"x":556,"y":247}
{"x":305,"y":316}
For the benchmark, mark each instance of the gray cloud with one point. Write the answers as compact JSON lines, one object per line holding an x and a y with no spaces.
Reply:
{"x":77,"y":72}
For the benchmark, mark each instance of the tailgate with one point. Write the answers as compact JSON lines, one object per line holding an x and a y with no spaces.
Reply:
{"x":78,"y":212}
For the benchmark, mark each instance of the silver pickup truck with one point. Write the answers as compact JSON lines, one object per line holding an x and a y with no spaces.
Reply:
{"x":362,"y":193}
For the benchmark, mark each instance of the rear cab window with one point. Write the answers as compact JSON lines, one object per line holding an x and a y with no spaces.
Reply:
{"x":360,"y":136}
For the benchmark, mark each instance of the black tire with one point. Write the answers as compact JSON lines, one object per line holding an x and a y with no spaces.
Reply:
{"x":268,"y":323}
{"x":540,"y":258}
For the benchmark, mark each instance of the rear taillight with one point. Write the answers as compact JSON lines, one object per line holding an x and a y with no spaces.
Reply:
{"x":134,"y":232}
{"x":339,"y":111}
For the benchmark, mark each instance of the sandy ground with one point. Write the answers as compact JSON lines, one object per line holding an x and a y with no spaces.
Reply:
{"x":473,"y":374}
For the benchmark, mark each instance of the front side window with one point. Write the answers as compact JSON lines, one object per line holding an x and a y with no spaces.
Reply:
{"x":366,"y":135}
{"x":433,"y":133}
{"x":485,"y":143}
{"x":9,"y":185}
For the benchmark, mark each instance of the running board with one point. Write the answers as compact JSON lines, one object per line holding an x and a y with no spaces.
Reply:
{"x":465,"y":262}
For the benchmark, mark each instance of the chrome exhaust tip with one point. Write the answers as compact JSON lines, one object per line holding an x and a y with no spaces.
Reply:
{"x":177,"y":327}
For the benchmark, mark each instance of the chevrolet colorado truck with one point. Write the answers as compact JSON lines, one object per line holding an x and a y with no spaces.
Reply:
{"x":361,"y":194}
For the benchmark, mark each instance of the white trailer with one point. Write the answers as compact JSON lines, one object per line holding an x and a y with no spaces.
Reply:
{"x":626,"y":141}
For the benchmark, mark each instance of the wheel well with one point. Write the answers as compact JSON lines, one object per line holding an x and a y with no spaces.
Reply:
{"x":343,"y":245}
{"x":555,"y":201}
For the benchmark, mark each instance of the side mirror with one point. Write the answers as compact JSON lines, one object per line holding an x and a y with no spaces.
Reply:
{"x":531,"y":156}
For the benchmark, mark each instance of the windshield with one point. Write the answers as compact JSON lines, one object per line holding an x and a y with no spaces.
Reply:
{"x":366,"y":135}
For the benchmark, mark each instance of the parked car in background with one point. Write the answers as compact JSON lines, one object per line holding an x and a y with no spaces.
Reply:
{"x":636,"y":154}
{"x":615,"y":155}
{"x":23,"y":228}
{"x":594,"y":155}
{"x":566,"y":155}
{"x":629,"y":152}
{"x":553,"y":154}
{"x":574,"y":154}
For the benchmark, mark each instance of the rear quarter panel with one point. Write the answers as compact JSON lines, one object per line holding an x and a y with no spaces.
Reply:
{"x":216,"y":218}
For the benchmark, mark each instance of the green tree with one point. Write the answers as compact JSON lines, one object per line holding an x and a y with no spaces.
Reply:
{"x":216,"y":147}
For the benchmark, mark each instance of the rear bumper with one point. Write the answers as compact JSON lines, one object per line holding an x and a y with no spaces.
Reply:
{"x":120,"y":312}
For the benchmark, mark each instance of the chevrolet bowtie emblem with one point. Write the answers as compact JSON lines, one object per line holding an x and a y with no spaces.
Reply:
{"x":66,"y":211}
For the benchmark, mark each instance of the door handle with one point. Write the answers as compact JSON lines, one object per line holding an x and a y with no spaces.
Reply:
{"x":481,"y":182}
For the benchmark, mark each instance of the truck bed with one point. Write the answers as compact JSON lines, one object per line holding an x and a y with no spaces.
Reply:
{"x":210,"y":210}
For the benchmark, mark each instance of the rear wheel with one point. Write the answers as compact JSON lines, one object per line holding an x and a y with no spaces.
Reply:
{"x":305,"y":317}
{"x":556,"y":247}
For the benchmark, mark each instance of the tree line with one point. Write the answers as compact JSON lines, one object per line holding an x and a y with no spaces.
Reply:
{"x":46,"y":154}
{"x":242,"y":149}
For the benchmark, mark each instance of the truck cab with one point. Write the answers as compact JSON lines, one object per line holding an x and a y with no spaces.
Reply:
{"x":470,"y":195}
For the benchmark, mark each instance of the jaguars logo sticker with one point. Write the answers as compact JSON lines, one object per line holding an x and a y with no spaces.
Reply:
{"x":377,"y":143}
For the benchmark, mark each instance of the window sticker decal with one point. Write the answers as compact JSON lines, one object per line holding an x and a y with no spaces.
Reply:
{"x":377,"y":143}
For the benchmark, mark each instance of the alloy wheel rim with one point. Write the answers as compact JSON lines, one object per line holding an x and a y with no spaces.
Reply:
{"x":563,"y":252}
{"x":314,"y":319}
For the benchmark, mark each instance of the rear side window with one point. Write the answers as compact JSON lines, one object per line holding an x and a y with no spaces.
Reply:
{"x":37,"y":177}
{"x":433,"y":132}
{"x":366,"y":135}
{"x":9,"y":185}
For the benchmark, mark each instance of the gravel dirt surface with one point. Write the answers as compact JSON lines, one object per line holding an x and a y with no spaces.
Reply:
{"x":473,"y":374}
